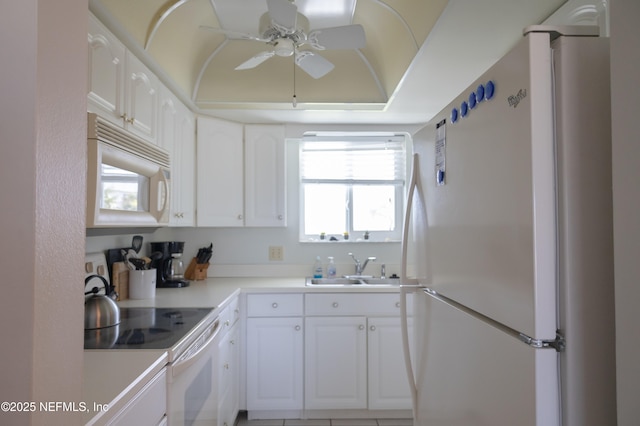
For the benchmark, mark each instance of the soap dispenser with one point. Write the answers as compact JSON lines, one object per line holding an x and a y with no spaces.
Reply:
{"x":317,"y":268}
{"x":331,"y":268}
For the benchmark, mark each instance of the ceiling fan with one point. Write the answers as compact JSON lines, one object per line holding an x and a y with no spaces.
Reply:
{"x":285,"y":30}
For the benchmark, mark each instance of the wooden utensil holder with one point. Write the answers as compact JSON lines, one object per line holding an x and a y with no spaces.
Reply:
{"x":196,"y":271}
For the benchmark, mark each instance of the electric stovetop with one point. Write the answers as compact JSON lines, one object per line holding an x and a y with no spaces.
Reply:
{"x":146,"y":328}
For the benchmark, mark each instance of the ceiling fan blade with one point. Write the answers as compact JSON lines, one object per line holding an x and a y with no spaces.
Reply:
{"x":234,"y":35}
{"x":283,"y":15}
{"x":314,"y":65}
{"x":255,"y":61}
{"x":345,"y":37}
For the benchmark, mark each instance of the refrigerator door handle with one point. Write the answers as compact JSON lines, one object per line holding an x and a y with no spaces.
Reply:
{"x":407,"y":217}
{"x":404,"y":289}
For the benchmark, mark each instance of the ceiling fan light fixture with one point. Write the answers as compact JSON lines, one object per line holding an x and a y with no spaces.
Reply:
{"x":283,"y":47}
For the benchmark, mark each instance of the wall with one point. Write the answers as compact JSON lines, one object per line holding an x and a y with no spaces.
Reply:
{"x":42,"y":192}
{"x":625,"y":69}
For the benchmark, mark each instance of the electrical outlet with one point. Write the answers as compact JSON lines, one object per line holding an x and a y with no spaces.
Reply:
{"x":275,"y":253}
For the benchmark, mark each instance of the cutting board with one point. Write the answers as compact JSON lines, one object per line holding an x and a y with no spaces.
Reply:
{"x":120,"y":274}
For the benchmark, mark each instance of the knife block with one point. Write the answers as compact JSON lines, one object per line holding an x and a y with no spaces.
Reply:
{"x":196,"y":271}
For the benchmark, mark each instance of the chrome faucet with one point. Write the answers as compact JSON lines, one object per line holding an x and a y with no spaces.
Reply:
{"x":359,"y":266}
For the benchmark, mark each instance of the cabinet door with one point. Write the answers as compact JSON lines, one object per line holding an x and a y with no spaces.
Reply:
{"x":105,"y":73}
{"x":388,"y":383}
{"x":274,"y":363}
{"x":142,"y":88}
{"x":336,"y":362}
{"x":176,"y":134}
{"x":229,"y":378}
{"x":220,"y":192}
{"x":184,"y":158}
{"x":265,"y":165}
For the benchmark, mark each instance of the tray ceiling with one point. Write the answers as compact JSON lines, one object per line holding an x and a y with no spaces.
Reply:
{"x":175,"y":39}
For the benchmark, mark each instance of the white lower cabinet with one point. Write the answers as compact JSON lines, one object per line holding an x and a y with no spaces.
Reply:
{"x":275,"y":339}
{"x":342,"y":351}
{"x":388,"y":384}
{"x":274,"y":363}
{"x":229,"y":377}
{"x":353,"y":352}
{"x":335,"y":362}
{"x":228,"y":365}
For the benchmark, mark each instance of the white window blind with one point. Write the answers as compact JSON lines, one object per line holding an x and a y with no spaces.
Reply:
{"x":359,"y":159}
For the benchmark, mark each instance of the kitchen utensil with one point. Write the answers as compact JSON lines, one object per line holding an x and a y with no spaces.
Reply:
{"x":130,"y":257}
{"x":155,"y":256}
{"x":147,"y":262}
{"x":204,"y":254}
{"x":100,"y":310}
{"x":136,"y":243}
{"x":138,"y":264}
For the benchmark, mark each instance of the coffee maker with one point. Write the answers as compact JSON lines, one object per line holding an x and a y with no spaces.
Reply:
{"x":169,"y":266}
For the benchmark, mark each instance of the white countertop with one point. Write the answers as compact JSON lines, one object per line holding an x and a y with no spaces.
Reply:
{"x":215,"y":291}
{"x":113,"y":376}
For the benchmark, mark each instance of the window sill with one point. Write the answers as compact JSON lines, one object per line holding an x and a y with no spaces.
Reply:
{"x":350,"y":241}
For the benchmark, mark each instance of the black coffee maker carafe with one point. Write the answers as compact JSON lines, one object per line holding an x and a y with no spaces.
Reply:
{"x":169,"y":265}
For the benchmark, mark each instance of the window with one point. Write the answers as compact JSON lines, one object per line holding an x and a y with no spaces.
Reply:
{"x":352,"y":186}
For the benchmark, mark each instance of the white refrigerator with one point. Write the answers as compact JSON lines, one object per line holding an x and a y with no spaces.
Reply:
{"x":508,"y":243}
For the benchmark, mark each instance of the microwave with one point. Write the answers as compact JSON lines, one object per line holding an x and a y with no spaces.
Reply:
{"x":128,"y":180}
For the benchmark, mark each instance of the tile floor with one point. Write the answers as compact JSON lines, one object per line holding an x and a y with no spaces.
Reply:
{"x":327,"y":422}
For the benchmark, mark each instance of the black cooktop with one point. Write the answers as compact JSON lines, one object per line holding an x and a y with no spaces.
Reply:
{"x":146,"y":328}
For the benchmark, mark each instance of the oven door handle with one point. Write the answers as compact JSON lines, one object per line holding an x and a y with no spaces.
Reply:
{"x":188,"y":359}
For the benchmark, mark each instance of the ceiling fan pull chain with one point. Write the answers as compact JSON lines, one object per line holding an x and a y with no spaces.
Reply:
{"x":295,"y":100}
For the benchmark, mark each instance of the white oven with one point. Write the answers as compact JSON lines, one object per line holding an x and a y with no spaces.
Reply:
{"x":191,"y":381}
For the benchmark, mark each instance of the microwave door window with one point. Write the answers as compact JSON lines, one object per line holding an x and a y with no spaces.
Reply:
{"x":123,"y":190}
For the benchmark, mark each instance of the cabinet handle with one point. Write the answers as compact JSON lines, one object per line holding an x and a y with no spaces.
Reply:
{"x":239,"y":217}
{"x":297,"y":328}
{"x":372,"y":328}
{"x":280,"y":217}
{"x":335,"y":304}
{"x":129,"y":120}
{"x":226,"y":323}
{"x":361,"y":327}
{"x":397,"y":304}
{"x":233,"y":342}
{"x":274,"y":305}
{"x":226,"y":366}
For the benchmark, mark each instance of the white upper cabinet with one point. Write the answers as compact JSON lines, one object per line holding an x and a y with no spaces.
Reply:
{"x":121,"y":88}
{"x":106,"y":73}
{"x":141,"y":99}
{"x":241,"y":174}
{"x":177,"y":134}
{"x":220,"y":192}
{"x":265,"y":201}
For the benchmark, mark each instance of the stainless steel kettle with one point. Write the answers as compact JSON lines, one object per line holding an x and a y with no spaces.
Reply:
{"x":100,"y":310}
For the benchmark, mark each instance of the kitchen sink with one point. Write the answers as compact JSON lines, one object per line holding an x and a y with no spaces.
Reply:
{"x":351,"y":280}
